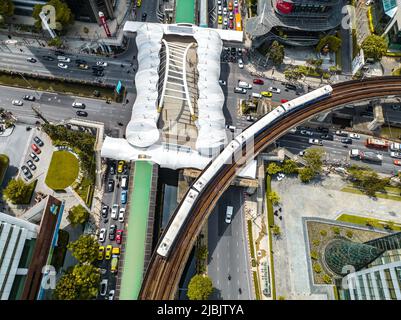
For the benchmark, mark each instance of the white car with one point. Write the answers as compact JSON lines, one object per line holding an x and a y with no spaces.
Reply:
{"x":306,"y":133}
{"x":236,"y":3}
{"x":240,"y":63}
{"x":225,"y":10}
{"x":103,"y":287}
{"x":225,"y":21}
{"x":17,"y":102}
{"x":280,"y":176}
{"x":219,"y":11}
{"x":395,"y":154}
{"x":114,"y":211}
{"x":101,"y":63}
{"x":62,"y":65}
{"x":102,"y":235}
{"x":301,"y":153}
{"x":222,"y":83}
{"x":111,"y":295}
{"x":368,"y":2}
{"x":121,"y":215}
{"x":316,"y":142}
{"x":219,"y":2}
{"x":274,"y":90}
{"x":354,"y":136}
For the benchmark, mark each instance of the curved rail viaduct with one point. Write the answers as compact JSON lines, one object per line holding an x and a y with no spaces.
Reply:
{"x":163,"y":275}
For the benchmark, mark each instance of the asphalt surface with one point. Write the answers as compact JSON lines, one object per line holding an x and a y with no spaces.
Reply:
{"x":228,"y":249}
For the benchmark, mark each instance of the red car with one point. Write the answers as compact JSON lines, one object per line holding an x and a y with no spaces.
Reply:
{"x":397,"y":162}
{"x":231,"y":24}
{"x":258,"y":81}
{"x":119,"y":236}
{"x":35,"y":148}
{"x":283,"y":100}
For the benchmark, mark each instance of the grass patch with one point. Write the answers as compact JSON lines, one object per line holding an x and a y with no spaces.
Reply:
{"x":78,"y":88}
{"x":4,"y":161}
{"x":379,"y":224}
{"x":61,"y":249}
{"x":256,"y":284}
{"x":29,"y":193}
{"x":250,"y":237}
{"x":381,"y":195}
{"x":63,"y":170}
{"x":270,"y":222}
{"x":85,"y":190}
{"x":391,"y":132}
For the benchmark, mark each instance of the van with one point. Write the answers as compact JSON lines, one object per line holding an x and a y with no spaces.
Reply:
{"x":244,"y":84}
{"x":256,"y":95}
{"x":229,"y":214}
{"x":63,"y":59}
{"x":124,"y":182}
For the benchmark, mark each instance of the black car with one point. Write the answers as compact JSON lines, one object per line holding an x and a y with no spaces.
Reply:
{"x":48,"y":58}
{"x":26,"y":172}
{"x":327,"y":137}
{"x":112,"y":232}
{"x":290,"y":86}
{"x":38,"y":142}
{"x":322,"y":129}
{"x":29,"y":98}
{"x":346,"y":140}
{"x":33,"y":60}
{"x":95,"y":67}
{"x":31,"y":165}
{"x":105,"y":211}
{"x":113,"y":168}
{"x":82,"y":113}
{"x":110,"y":186}
{"x":144,"y":15}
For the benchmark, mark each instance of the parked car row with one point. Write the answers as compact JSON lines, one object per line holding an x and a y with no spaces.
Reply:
{"x":26,"y":169}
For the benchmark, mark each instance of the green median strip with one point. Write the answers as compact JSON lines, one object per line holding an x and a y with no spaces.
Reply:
{"x":270,"y":222}
{"x":381,"y":195}
{"x":256,"y":284}
{"x":364,"y":221}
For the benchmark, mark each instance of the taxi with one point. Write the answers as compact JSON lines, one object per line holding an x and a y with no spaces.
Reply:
{"x":100,"y":253}
{"x":220,"y":21}
{"x":266,"y":94}
{"x":109,"y":248}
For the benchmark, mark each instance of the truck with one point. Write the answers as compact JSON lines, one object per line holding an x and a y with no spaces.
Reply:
{"x":377,"y":143}
{"x":365,"y":156}
{"x":395,"y":146}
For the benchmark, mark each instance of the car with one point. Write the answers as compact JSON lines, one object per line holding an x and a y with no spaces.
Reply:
{"x":110,"y":185}
{"x":78,"y":105}
{"x":83,"y":66}
{"x":251,"y":118}
{"x":346,"y":140}
{"x":112,"y":232}
{"x":114,"y":264}
{"x":35,"y":148}
{"x":124,"y":196}
{"x":109,"y":248}
{"x":59,"y":52}
{"x":38,"y":141}
{"x":230,"y":6}
{"x":283,"y":100}
{"x":368,"y":2}
{"x":105,"y":211}
{"x":26,"y":172}
{"x":301,"y":153}
{"x":48,"y":58}
{"x":274,"y":90}
{"x":120,"y":167}
{"x":229,"y":214}
{"x":111,"y":295}
{"x":31,"y":165}
{"x":103,"y":287}
{"x":354,"y":136}
{"x":341,"y":133}
{"x":102,"y":235}
{"x":100,"y":254}
{"x":240,"y":63}
{"x":121,"y":214}
{"x":220,"y":19}
{"x":291,"y":86}
{"x":81,"y":113}
{"x":34,"y":157}
{"x":29,"y":98}
{"x":17,"y":102}
{"x":222,"y":83}
{"x":33,"y":60}
{"x":225,"y":21}
{"x":306,"y":133}
{"x":225,"y":11}
{"x":239,"y":90}
{"x":219,"y":2}
{"x":258,"y":81}
{"x":144,"y":15}
{"x":397,"y":162}
{"x":101,"y":63}
{"x":327,"y":137}
{"x":316,"y":142}
{"x":97,"y":68}
{"x":138,"y":3}
{"x":63,"y":59}
{"x":395,"y":154}
{"x":220,"y":10}
{"x":119,"y":236}
{"x":113,"y":168}
{"x":114,"y":211}
{"x":62,"y":65}
{"x":236,"y":3}
{"x":280,"y":176}
{"x":322,"y":129}
{"x":230,"y":127}
{"x":231,"y":16}
{"x":231,"y":24}
{"x":266,"y":94}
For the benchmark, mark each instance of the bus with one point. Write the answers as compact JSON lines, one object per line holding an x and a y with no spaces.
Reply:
{"x":238,"y":22}
{"x":377,"y":143}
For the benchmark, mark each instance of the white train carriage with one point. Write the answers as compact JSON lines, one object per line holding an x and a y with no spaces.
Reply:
{"x":177,"y":223}
{"x":225,"y":157}
{"x":310,"y":97}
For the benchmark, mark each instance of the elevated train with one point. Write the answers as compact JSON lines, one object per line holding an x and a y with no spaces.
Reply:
{"x":226,"y":156}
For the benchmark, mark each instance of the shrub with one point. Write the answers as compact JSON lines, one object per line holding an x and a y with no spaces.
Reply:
{"x":317,"y":267}
{"x":323,"y":233}
{"x":316,"y":242}
{"x":349,"y":234}
{"x":281,"y":298}
{"x":314,"y":255}
{"x":336,"y":230}
{"x":327,"y":279}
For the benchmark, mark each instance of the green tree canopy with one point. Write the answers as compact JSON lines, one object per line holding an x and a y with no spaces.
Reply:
{"x":274,"y":197}
{"x":16,"y":191}
{"x":78,"y":215}
{"x":199,"y":288}
{"x":290,"y":166}
{"x":273,"y":168}
{"x":66,"y":288}
{"x":56,"y":42}
{"x":64,"y":15}
{"x":6,"y":8}
{"x":306,"y":174}
{"x":374,"y":47}
{"x":313,"y":158}
{"x":276,"y":53}
{"x":84,"y":249}
{"x":367,"y":180}
{"x":333,"y":42}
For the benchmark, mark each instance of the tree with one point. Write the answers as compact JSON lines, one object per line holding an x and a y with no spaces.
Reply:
{"x":313,"y":158}
{"x":87,"y":278}
{"x":84,"y":249}
{"x":333,"y":42}
{"x":374,"y":47}
{"x":276,"y":230}
{"x":56,"y":42}
{"x":66,"y":288}
{"x":202,"y":253}
{"x":367,"y":180}
{"x":290,"y":166}
{"x":276,"y":53}
{"x":78,"y":215}
{"x":16,"y":191}
{"x":199,"y":288}
{"x":64,"y":15}
{"x":274,"y":197}
{"x":6,"y":8}
{"x":306,"y":174}
{"x":273,"y":168}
